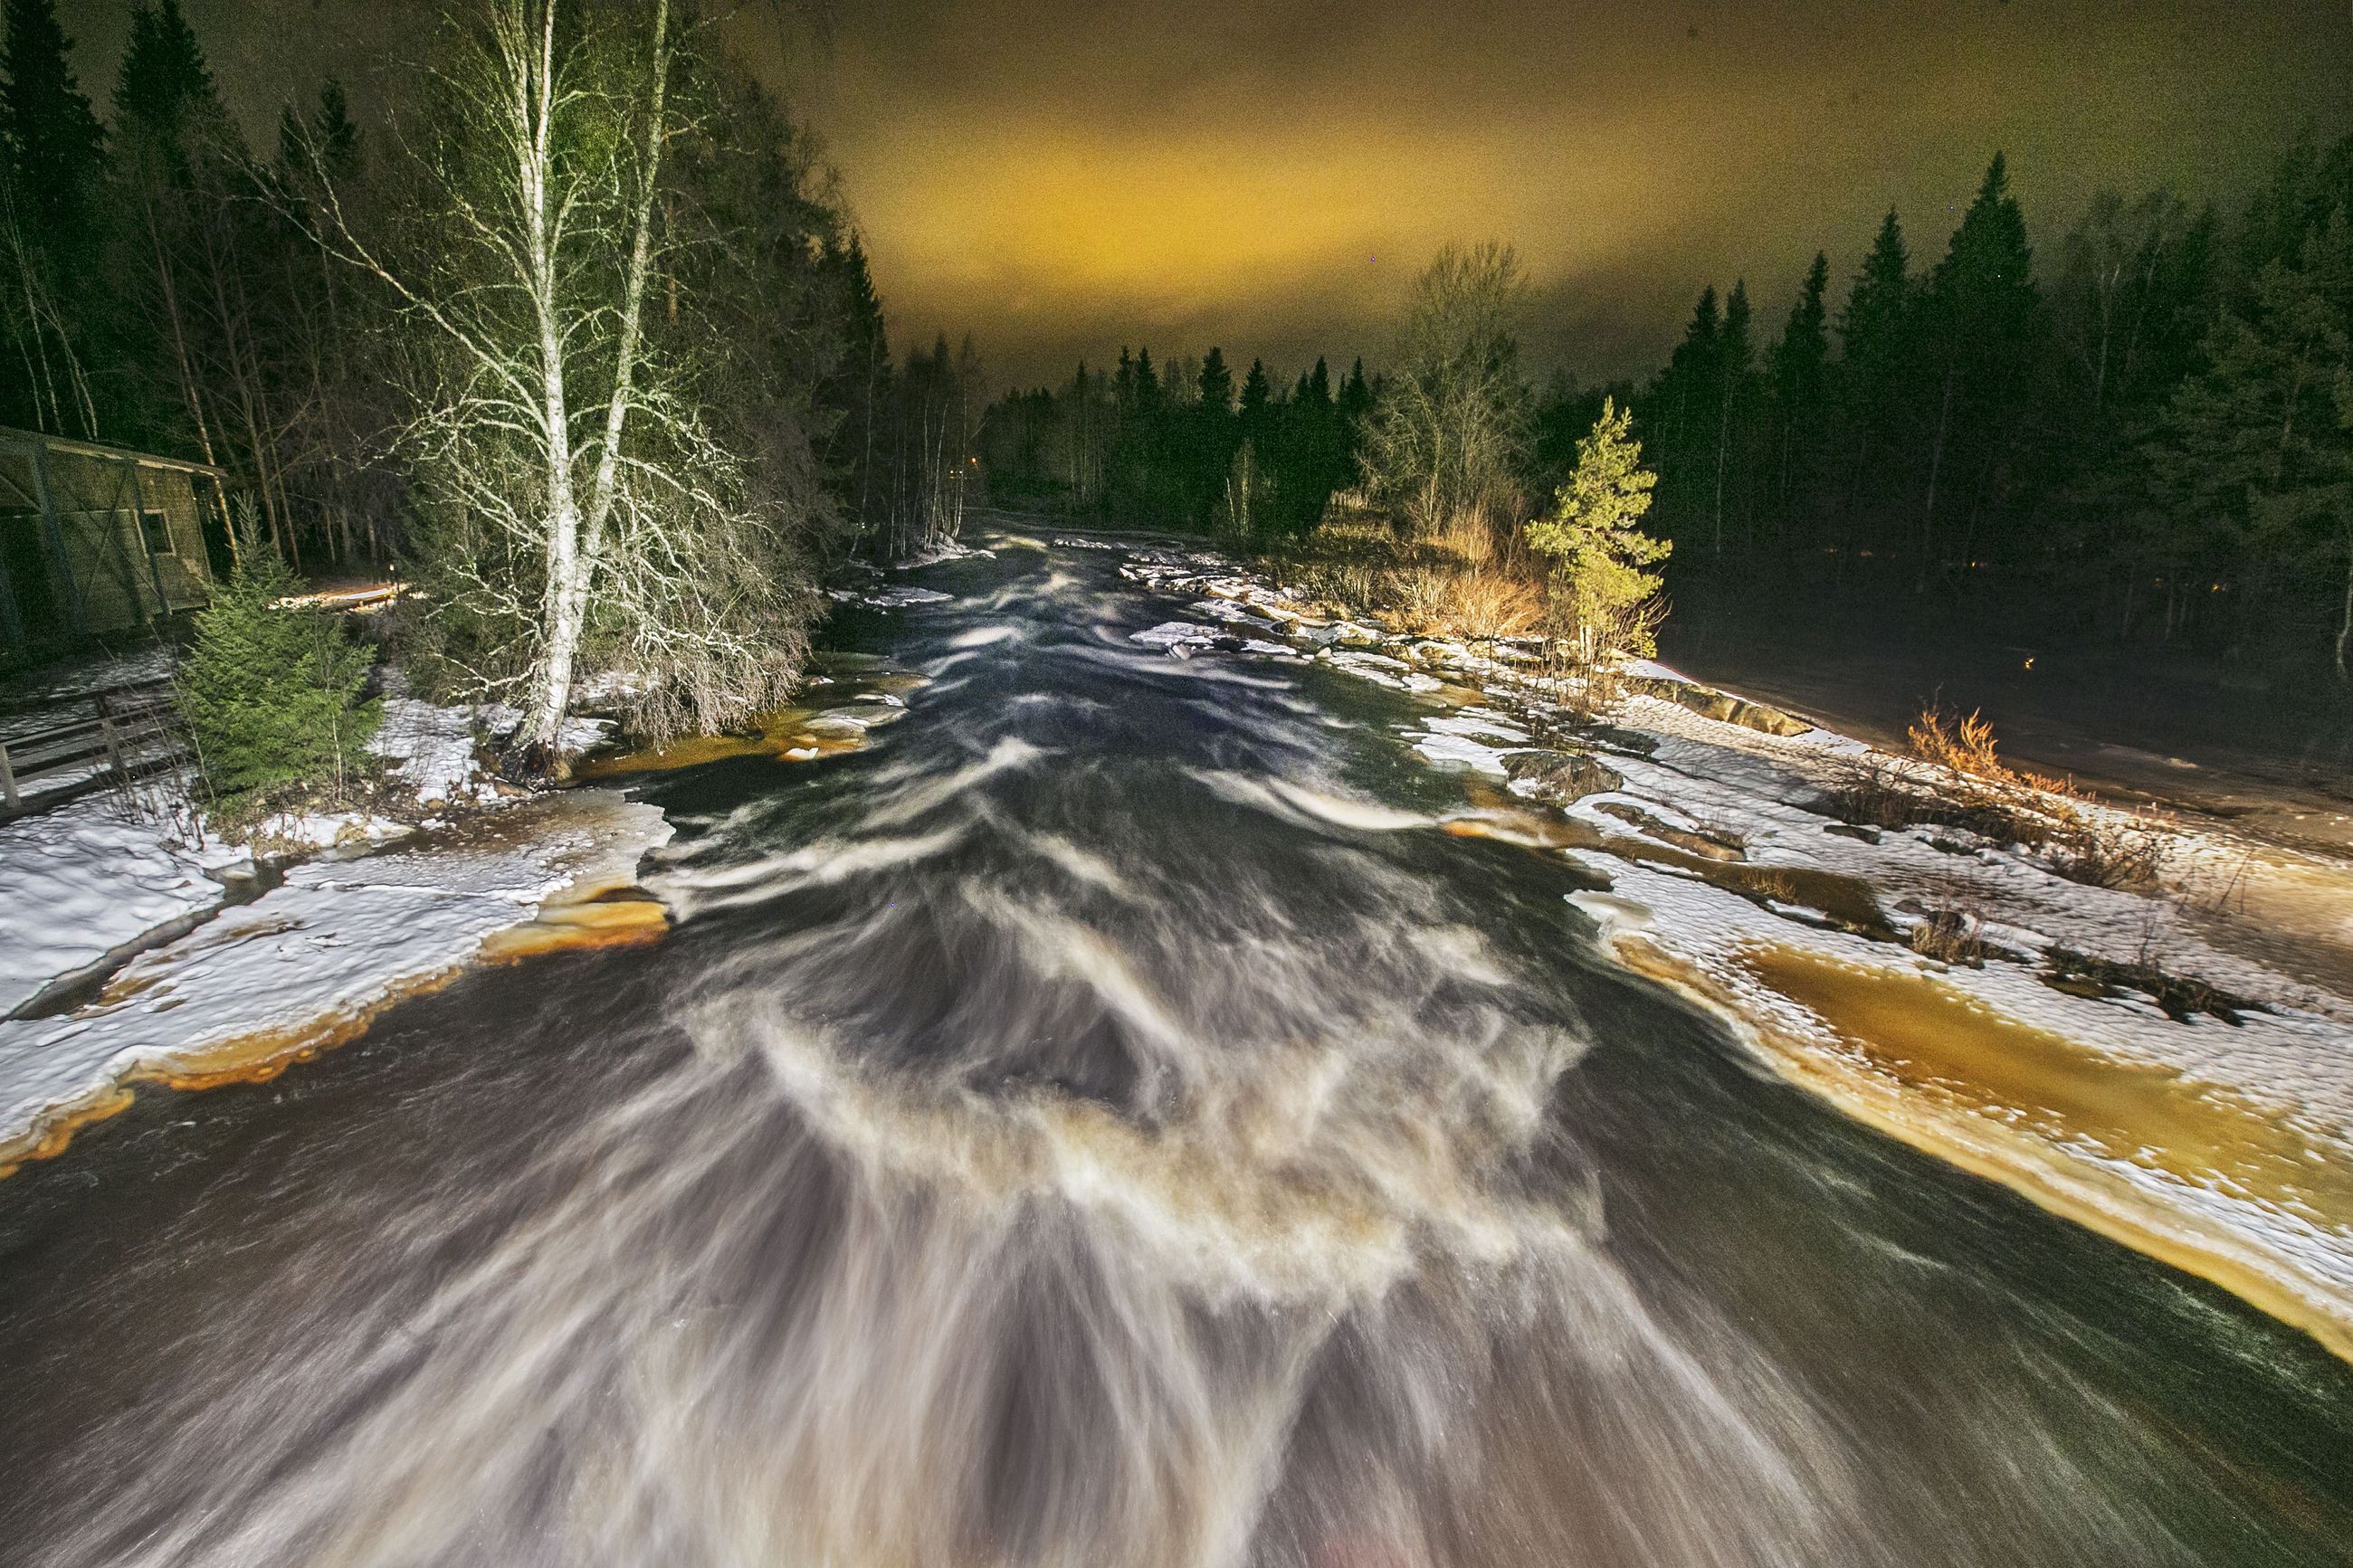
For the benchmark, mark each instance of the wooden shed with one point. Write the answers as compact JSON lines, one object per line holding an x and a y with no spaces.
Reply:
{"x":99,"y":538}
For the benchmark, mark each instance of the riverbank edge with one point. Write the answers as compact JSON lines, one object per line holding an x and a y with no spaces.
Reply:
{"x":564,"y":886}
{"x":2078,"y":1192}
{"x":2235,"y":1259}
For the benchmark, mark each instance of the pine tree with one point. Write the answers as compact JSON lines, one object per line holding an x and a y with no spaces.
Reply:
{"x":271,"y":694}
{"x":1602,"y":589}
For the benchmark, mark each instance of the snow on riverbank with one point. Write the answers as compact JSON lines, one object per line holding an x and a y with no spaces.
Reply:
{"x":79,"y":881}
{"x":2217,"y":1136}
{"x":345,"y":934}
{"x":310,"y":962}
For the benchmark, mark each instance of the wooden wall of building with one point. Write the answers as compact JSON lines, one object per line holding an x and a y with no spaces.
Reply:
{"x":96,"y":539}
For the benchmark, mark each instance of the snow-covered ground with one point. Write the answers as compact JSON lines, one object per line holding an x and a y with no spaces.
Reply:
{"x":2221,"y":1140}
{"x":79,"y":881}
{"x":342,"y":935}
{"x":311,"y":961}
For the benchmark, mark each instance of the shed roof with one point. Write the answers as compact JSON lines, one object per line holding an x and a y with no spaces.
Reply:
{"x":26,"y":440}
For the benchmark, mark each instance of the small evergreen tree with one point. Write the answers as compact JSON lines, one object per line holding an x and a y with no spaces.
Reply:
{"x":272,"y":693}
{"x":1604,"y":602}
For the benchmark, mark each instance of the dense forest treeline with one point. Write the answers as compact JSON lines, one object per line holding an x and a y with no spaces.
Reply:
{"x":2142,"y":432}
{"x":350,"y":321}
{"x":1182,"y":446}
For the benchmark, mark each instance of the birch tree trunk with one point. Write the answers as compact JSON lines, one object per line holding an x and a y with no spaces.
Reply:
{"x":575,"y":540}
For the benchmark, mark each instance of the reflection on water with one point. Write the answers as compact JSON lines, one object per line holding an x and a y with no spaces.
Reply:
{"x":1100,"y":1124}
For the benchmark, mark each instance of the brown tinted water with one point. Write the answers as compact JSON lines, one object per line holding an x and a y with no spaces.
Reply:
{"x":1100,"y":1122}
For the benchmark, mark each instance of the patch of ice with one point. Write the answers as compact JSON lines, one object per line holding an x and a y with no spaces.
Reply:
{"x":944,"y":550}
{"x":1460,"y":750}
{"x":899,"y":595}
{"x":1176,"y":633}
{"x":1232,"y":614}
{"x":1476,"y":723}
{"x":1382,"y":670}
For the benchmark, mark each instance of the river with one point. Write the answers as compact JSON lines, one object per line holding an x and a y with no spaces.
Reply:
{"x":1101,"y":1123}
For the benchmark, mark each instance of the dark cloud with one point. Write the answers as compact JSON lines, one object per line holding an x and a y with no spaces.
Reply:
{"x":1060,"y":176}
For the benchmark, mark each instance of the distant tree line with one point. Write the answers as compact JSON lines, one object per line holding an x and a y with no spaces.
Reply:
{"x":2148,"y":436}
{"x":2145,"y":433}
{"x":575,"y":336}
{"x":1181,"y":446}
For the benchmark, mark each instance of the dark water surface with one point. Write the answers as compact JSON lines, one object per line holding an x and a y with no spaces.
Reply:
{"x":1097,"y":1126}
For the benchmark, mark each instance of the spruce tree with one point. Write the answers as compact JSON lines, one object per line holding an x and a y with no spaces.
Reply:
{"x":1800,"y":368}
{"x":1257,"y":393}
{"x":1356,"y":397}
{"x":1217,"y":384}
{"x":1684,"y":406}
{"x":1734,"y":364}
{"x":1982,"y":317}
{"x":51,"y":163}
{"x":1874,"y":375}
{"x":55,"y":147}
{"x":1873,"y":321}
{"x":271,"y":694}
{"x":165,"y":87}
{"x":1315,"y":388}
{"x":2256,"y":459}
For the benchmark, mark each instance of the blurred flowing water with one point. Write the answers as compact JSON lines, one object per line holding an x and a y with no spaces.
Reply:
{"x":1102,"y":1124}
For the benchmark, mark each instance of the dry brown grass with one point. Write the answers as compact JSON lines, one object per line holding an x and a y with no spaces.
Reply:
{"x":1467,"y":581}
{"x":2053,"y":817}
{"x":1965,"y":744}
{"x":2108,"y":853}
{"x":1951,"y":936}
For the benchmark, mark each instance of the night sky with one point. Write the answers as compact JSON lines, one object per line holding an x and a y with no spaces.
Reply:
{"x":1059,"y":177}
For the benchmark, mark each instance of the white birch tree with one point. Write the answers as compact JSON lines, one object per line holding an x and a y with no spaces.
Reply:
{"x":597,"y":504}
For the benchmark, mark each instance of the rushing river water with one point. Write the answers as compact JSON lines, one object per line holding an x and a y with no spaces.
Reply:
{"x":1101,"y":1124}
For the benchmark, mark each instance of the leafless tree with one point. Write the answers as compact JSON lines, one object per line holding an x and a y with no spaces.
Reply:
{"x":1445,"y":440}
{"x":602,"y":510}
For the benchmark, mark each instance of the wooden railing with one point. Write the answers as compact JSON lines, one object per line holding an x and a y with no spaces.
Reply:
{"x":133,"y":733}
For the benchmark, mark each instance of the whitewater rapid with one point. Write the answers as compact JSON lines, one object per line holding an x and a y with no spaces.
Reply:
{"x":1101,"y":1124}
